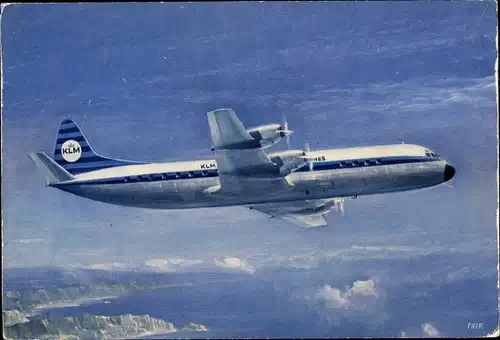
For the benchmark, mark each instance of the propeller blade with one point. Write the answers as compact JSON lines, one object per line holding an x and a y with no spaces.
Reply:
{"x":339,"y":205}
{"x":308,"y":150}
{"x":284,"y":131}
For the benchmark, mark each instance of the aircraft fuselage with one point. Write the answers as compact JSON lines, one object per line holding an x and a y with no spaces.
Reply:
{"x":334,"y":173}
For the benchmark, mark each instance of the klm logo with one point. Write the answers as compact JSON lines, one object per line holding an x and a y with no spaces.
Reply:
{"x":71,"y":151}
{"x":208,"y":166}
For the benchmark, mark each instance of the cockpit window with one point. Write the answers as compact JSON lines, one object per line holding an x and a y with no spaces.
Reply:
{"x":431,"y":154}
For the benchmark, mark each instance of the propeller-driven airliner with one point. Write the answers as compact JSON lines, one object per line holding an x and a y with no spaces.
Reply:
{"x":298,"y":186}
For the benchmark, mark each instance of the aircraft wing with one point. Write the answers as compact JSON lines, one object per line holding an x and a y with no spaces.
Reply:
{"x":241,"y":163}
{"x":305,"y":214}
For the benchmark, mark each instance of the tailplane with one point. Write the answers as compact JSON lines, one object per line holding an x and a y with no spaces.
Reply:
{"x":75,"y":155}
{"x":54,"y":173}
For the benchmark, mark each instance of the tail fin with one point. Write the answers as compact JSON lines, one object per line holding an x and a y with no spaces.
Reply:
{"x":53,"y":171}
{"x":74,"y":153}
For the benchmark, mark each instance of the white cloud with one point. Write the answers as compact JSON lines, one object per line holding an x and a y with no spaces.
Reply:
{"x":159,"y":265}
{"x":430,"y":330}
{"x":155,"y":265}
{"x":111,"y":266}
{"x":412,"y":100}
{"x":333,"y":297}
{"x":170,"y":265}
{"x":365,"y":288}
{"x":29,"y":240}
{"x":234,"y":263}
{"x":352,"y":297}
{"x":364,"y":300}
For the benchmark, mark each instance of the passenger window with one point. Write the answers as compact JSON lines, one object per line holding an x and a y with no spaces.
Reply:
{"x":204,"y":172}
{"x":354,"y":163}
{"x":342,"y":164}
{"x":190,"y":174}
{"x":177,"y":175}
{"x":378,"y":161}
{"x":366,"y":162}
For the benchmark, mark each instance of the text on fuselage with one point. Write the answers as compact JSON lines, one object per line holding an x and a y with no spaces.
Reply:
{"x":208,"y":166}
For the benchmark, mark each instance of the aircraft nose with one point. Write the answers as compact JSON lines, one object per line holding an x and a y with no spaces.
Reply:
{"x":449,"y":172}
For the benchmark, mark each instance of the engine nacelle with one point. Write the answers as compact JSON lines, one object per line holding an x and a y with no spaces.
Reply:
{"x":288,"y":161}
{"x":268,"y":135}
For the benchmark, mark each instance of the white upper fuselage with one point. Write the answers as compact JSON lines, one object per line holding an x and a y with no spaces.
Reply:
{"x":335,"y":173}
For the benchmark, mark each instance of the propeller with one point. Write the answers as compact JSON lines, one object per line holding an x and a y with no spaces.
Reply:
{"x":308,"y":150}
{"x":340,"y":205}
{"x":284,"y":132}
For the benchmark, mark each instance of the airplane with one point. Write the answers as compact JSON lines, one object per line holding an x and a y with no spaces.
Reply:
{"x":297,"y":186}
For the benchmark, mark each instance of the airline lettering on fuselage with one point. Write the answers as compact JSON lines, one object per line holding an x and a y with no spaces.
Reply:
{"x":208,"y":166}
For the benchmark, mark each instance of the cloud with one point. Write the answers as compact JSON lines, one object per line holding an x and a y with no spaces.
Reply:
{"x":364,"y":288}
{"x":413,"y":100}
{"x":458,"y":274}
{"x":333,"y":297}
{"x":361,"y":294}
{"x":159,"y":265}
{"x":152,"y":265}
{"x":234,"y":263}
{"x":363,"y":300}
{"x":111,"y":266}
{"x":430,"y":330}
{"x":29,"y":240}
{"x":170,"y":265}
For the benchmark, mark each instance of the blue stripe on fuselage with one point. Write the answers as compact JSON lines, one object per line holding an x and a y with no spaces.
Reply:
{"x":192,"y":174}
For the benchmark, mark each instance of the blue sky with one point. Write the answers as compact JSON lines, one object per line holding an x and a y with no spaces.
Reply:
{"x":139,"y":79}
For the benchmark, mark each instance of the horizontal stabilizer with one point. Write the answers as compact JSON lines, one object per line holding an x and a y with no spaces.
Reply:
{"x":53,"y":171}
